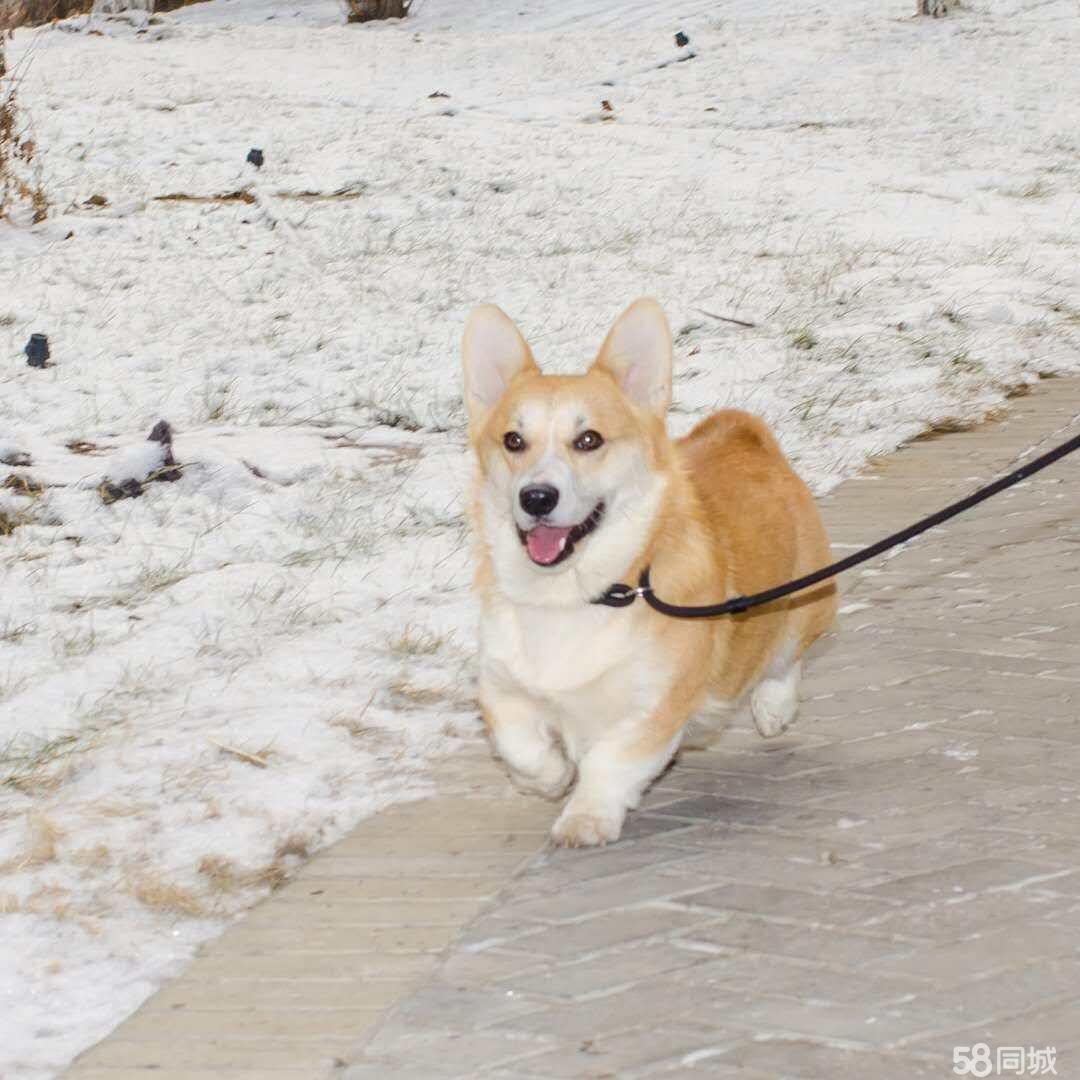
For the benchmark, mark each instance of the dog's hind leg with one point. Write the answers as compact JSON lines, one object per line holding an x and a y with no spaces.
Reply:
{"x":522,"y":737}
{"x":775,"y":700}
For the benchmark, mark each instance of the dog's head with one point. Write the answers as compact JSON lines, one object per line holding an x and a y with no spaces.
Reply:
{"x":572,"y":466}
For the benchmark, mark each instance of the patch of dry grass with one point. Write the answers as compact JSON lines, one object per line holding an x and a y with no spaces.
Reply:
{"x":10,"y":520}
{"x":418,"y":641}
{"x":804,"y":338}
{"x":42,"y":837}
{"x":20,"y":175}
{"x":93,"y":858}
{"x":34,"y":763}
{"x":355,"y":725}
{"x":295,"y":846}
{"x":359,"y":11}
{"x":40,"y":847}
{"x":405,"y":694}
{"x":15,"y":13}
{"x":28,"y":764}
{"x":11,"y":633}
{"x":223,"y":875}
{"x":80,"y":642}
{"x":950,"y":425}
{"x":239,"y":196}
{"x":166,"y":897}
{"x":22,"y":485}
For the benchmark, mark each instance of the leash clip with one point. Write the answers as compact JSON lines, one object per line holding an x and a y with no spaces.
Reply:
{"x":620,"y":595}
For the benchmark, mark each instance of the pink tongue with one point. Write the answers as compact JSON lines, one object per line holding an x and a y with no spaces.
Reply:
{"x":545,"y":543}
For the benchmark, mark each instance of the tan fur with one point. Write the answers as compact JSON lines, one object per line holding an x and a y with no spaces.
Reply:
{"x":731,"y":517}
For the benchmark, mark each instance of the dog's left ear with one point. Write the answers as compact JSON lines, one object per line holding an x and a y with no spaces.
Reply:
{"x":637,"y":355}
{"x":493,"y":353}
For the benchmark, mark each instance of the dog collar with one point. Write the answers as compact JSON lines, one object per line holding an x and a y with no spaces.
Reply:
{"x":621,"y":595}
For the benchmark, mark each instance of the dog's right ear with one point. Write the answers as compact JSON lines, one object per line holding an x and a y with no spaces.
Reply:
{"x":493,"y":353}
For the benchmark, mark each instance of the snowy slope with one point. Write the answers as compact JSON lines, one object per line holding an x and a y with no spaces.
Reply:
{"x":893,"y":203}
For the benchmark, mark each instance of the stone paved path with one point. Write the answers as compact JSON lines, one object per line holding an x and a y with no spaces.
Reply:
{"x":897,"y":876}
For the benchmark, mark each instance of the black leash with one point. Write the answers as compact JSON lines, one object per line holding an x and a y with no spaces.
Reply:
{"x":620,"y":595}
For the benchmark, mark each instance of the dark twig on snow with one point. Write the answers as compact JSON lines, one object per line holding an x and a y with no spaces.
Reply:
{"x":727,"y":319}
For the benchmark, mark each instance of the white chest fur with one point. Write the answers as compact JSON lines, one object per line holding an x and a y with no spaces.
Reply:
{"x":555,"y":650}
{"x":592,"y":666}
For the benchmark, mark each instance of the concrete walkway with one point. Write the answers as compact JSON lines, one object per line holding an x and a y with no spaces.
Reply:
{"x":898,"y":876}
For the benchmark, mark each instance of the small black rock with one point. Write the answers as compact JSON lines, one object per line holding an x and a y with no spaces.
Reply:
{"x":255,"y":157}
{"x":681,"y":40}
{"x":37,"y":350}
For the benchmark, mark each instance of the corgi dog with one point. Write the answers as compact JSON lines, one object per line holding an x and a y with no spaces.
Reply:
{"x":578,"y":487}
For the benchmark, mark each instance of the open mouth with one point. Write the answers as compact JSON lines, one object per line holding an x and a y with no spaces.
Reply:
{"x":548,"y":545}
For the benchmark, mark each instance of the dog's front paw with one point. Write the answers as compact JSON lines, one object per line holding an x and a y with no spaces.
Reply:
{"x":576,"y":828}
{"x":551,"y":783}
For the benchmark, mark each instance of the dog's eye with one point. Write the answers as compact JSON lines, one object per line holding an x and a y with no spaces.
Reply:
{"x":589,"y":440}
{"x":513,"y":442}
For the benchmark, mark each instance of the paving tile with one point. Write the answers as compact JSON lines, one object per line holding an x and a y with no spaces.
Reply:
{"x":361,"y":889}
{"x":984,"y":953}
{"x":827,"y":908}
{"x":802,"y":979}
{"x":741,"y":932}
{"x":854,"y":1022}
{"x":609,"y":928}
{"x":308,"y":967}
{"x":962,"y":916}
{"x":374,"y":1068}
{"x":809,"y":871}
{"x":477,"y":969}
{"x":625,"y":1011}
{"x":627,"y":1054}
{"x":285,"y":1022}
{"x":592,"y":897}
{"x":166,"y":1072}
{"x":979,"y":875}
{"x":252,"y":992}
{"x":1057,"y":1025}
{"x":252,"y":937}
{"x":617,"y":969}
{"x":214,"y":1054}
{"x":793,"y":1057}
{"x":461,"y":1051}
{"x":838,"y":848}
{"x":386,"y":913}
{"x":1039,"y":987}
{"x":442,"y":1005}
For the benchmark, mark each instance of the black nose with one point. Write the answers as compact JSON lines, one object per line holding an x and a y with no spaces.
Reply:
{"x":539,"y":499}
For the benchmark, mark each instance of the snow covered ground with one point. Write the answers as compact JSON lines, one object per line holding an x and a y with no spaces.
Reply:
{"x":200,"y":685}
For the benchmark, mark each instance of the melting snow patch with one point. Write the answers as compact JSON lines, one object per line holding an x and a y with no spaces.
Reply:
{"x":850,"y":823}
{"x":960,"y":753}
